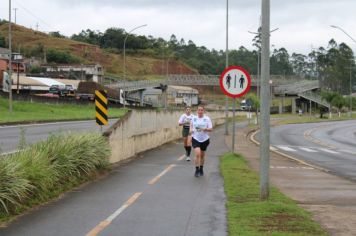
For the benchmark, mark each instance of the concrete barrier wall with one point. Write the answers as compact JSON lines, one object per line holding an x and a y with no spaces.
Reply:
{"x":139,"y":131}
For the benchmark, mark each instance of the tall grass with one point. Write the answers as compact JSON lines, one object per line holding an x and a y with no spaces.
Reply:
{"x":34,"y":174}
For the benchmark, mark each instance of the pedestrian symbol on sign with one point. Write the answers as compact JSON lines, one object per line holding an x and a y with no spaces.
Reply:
{"x":241,"y":81}
{"x":228,"y":80}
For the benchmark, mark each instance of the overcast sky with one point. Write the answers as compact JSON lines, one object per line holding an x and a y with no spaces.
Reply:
{"x":302,"y":24}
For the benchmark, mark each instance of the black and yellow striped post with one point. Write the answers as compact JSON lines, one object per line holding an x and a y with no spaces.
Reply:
{"x":101,"y":107}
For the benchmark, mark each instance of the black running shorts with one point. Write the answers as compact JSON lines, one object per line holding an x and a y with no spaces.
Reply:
{"x":202,"y":145}
{"x":185,"y":132}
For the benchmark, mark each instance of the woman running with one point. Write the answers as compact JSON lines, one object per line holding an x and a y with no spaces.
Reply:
{"x":184,"y":121}
{"x":200,"y":127}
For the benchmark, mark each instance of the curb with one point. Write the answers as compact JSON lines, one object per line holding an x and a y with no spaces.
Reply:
{"x":252,"y":139}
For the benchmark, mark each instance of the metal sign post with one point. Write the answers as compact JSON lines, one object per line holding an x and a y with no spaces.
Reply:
{"x":235,"y":82}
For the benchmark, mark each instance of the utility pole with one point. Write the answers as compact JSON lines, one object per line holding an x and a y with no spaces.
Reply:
{"x":265,"y":102}
{"x":37,"y":26}
{"x":10,"y":60}
{"x":351,"y":63}
{"x":226,"y":66}
{"x":15,"y":10}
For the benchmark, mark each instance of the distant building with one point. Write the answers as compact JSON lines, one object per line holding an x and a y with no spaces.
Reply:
{"x":182,"y":95}
{"x":17,"y":62}
{"x":91,"y":72}
{"x":4,"y":53}
{"x":176,"y":95}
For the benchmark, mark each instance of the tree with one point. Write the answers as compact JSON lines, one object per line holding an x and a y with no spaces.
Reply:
{"x":335,"y":99}
{"x":338,"y":102}
{"x":280,"y":64}
{"x":61,"y":57}
{"x":56,"y":34}
{"x":299,"y":64}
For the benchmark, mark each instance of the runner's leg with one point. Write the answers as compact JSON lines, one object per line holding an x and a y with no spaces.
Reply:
{"x":189,"y":144}
{"x":197,"y":160}
{"x":202,"y":160}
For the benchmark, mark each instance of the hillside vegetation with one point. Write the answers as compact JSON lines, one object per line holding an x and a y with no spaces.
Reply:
{"x":149,"y":56}
{"x":61,"y":50}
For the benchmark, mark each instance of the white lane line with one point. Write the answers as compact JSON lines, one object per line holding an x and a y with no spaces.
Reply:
{"x":102,"y":225}
{"x":292,"y":167}
{"x":349,"y":152}
{"x":181,"y":158}
{"x":272,"y":148}
{"x":307,"y":149}
{"x":8,"y":153}
{"x":155,"y":179}
{"x":129,"y":202}
{"x":51,"y":123}
{"x":285,"y":148}
{"x":328,"y":151}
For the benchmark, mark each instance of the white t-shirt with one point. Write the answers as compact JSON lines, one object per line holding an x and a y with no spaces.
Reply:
{"x":201,"y":123}
{"x":185,"y":120}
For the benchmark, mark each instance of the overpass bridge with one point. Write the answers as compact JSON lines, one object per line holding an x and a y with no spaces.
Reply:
{"x":281,"y":86}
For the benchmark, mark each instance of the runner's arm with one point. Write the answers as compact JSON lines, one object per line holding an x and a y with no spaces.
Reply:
{"x":181,"y":121}
{"x":210,"y":127}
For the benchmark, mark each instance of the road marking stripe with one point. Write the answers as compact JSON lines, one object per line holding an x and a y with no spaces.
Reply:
{"x":181,"y":158}
{"x":350,"y":152}
{"x":328,"y":150}
{"x":292,"y":167}
{"x":102,"y":225}
{"x":288,"y":149}
{"x":50,"y":123}
{"x":307,"y":149}
{"x":272,"y":148}
{"x":155,"y":179}
{"x":9,"y":153}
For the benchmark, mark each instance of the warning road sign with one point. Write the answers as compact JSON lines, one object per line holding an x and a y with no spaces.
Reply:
{"x":101,"y":107}
{"x":235,"y":81}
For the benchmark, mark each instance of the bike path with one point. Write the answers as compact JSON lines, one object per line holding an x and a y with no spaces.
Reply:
{"x":155,"y":194}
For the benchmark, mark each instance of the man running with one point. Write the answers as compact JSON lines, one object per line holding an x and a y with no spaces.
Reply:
{"x":184,"y":121}
{"x":200,"y":127}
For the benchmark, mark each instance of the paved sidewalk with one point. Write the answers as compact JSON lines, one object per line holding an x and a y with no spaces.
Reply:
{"x":330,"y":199}
{"x":156,"y":194}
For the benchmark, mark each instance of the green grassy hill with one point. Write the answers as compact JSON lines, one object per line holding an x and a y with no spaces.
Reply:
{"x":139,"y":65}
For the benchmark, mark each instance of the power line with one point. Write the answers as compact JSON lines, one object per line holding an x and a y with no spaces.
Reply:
{"x":33,"y":15}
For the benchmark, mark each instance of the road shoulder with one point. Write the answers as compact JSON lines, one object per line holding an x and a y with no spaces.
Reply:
{"x":330,"y":199}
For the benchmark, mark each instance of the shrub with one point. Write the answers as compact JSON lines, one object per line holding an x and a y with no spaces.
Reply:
{"x":43,"y":170}
{"x":61,"y":57}
{"x":14,"y":187}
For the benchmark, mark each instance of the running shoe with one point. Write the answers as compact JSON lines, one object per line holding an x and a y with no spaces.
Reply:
{"x":187,"y":158}
{"x":196,"y":173}
{"x":201,"y":172}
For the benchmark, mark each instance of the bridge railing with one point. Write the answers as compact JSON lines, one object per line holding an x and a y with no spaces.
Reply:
{"x":281,"y":84}
{"x":295,"y":88}
{"x":315,"y":97}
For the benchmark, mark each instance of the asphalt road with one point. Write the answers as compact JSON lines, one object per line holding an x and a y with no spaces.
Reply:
{"x":330,"y":145}
{"x":11,"y":135}
{"x":153,"y":195}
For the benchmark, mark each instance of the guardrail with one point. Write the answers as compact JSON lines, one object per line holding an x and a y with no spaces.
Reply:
{"x":296,"y":88}
{"x":200,"y":80}
{"x":315,"y":97}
